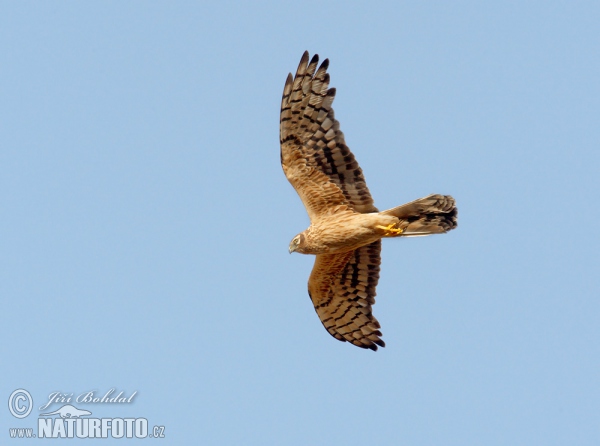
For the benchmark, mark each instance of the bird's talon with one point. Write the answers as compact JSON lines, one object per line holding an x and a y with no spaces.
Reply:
{"x":390,"y":230}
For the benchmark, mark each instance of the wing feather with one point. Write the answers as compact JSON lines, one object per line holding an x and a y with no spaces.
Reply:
{"x":342,"y":289}
{"x":313,"y":149}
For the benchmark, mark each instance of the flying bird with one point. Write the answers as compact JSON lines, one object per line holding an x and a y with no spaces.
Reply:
{"x":346,"y":228}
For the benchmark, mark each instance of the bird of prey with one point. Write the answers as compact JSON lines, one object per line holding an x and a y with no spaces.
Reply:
{"x":345,"y":229}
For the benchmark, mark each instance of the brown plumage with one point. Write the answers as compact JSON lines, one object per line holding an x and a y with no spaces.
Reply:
{"x":346,"y":228}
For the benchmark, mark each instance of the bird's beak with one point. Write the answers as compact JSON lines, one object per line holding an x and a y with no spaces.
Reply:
{"x":290,"y":249}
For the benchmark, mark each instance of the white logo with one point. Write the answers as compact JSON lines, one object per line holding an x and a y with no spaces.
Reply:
{"x":67,"y":411}
{"x":69,"y":421}
{"x":14,"y":403}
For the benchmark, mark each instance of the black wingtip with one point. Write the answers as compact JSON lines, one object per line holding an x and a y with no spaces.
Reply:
{"x":303,"y":62}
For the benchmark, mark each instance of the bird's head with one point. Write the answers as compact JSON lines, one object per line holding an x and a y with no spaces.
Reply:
{"x":297,"y":243}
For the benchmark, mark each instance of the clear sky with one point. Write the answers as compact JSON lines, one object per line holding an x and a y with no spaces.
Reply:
{"x":145,"y":219}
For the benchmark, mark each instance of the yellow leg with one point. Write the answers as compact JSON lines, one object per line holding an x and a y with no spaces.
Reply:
{"x":390,"y":230}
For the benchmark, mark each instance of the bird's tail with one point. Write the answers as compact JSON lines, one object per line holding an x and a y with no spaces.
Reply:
{"x":434,"y":214}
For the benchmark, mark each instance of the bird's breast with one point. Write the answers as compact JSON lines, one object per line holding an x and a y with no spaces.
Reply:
{"x":342,"y":232}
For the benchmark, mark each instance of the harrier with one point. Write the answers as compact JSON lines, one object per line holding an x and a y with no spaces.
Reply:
{"x":345,"y":229}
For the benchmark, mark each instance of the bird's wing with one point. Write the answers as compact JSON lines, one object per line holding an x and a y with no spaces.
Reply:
{"x":314,"y":155}
{"x":342,"y":289}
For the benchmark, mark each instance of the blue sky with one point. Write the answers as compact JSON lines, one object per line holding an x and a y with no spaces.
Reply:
{"x":146,"y":219}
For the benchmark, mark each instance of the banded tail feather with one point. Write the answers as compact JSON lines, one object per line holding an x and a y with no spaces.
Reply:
{"x":434,"y":214}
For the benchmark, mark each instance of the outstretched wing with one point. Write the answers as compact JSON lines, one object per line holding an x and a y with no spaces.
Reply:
{"x":342,"y":289}
{"x":314,"y":155}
